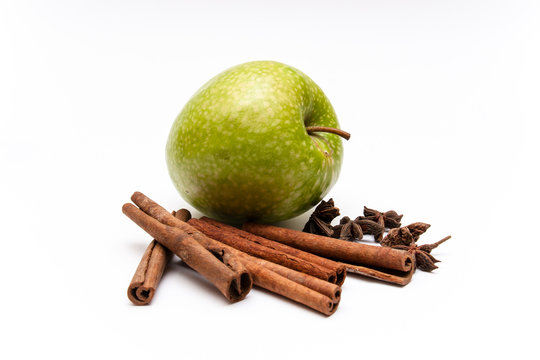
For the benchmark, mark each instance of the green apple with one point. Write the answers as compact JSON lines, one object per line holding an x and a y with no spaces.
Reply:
{"x":246,"y":146}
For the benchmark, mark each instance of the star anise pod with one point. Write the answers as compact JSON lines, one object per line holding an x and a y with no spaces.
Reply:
{"x":326,"y":211}
{"x":370,"y":227}
{"x":429,"y":247}
{"x":405,"y":235}
{"x":388,"y":219}
{"x":422,"y":254}
{"x":417,"y":229}
{"x":320,"y":220}
{"x":348,"y":230}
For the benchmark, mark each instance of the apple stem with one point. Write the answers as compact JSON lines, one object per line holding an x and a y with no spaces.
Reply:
{"x":314,"y":129}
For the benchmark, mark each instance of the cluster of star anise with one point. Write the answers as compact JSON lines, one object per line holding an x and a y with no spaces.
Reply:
{"x":375,"y":223}
{"x":372,"y":223}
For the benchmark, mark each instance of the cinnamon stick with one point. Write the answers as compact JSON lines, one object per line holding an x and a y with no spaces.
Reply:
{"x":221,"y":268}
{"x":338,"y":269}
{"x":164,"y":231}
{"x":143,"y":286}
{"x":331,"y":290}
{"x":233,"y":239}
{"x":315,"y":293}
{"x":278,"y":284}
{"x":148,"y":274}
{"x":390,"y":276}
{"x":348,"y":252}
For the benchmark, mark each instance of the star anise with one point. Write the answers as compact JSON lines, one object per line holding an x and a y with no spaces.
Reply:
{"x":320,"y":220}
{"x":348,"y":230}
{"x":422,"y":254}
{"x":370,"y":227}
{"x":405,"y":235}
{"x":388,"y":219}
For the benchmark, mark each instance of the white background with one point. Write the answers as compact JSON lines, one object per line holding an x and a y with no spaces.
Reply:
{"x":441,"y":98}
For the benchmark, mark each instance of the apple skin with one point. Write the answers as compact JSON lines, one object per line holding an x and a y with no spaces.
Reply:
{"x":239,"y":149}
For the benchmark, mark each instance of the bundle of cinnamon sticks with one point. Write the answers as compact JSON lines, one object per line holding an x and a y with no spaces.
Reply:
{"x":306,"y":268}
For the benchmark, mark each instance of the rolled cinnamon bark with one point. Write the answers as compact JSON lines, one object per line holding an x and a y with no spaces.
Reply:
{"x":390,"y":276}
{"x":236,"y":241}
{"x":221,"y":268}
{"x":347,"y":252}
{"x":143,"y":286}
{"x":163,"y":231}
{"x":333,"y":291}
{"x":315,"y":293}
{"x":278,"y":284}
{"x":338,"y":269}
{"x":289,"y":283}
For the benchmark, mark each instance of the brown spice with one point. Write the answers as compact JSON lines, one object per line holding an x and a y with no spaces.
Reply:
{"x":149,"y":272}
{"x":370,"y":227}
{"x":331,"y":290}
{"x":388,"y":219}
{"x":166,"y":232}
{"x":143,"y":286}
{"x":305,"y":289}
{"x":320,"y":220}
{"x":422,"y":254}
{"x":335,"y":267}
{"x":417,"y":229}
{"x":256,"y":249}
{"x":348,"y":230}
{"x":394,"y":277}
{"x":282,"y":285}
{"x":344,"y":251}
{"x":218,"y":266}
{"x":405,"y":235}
